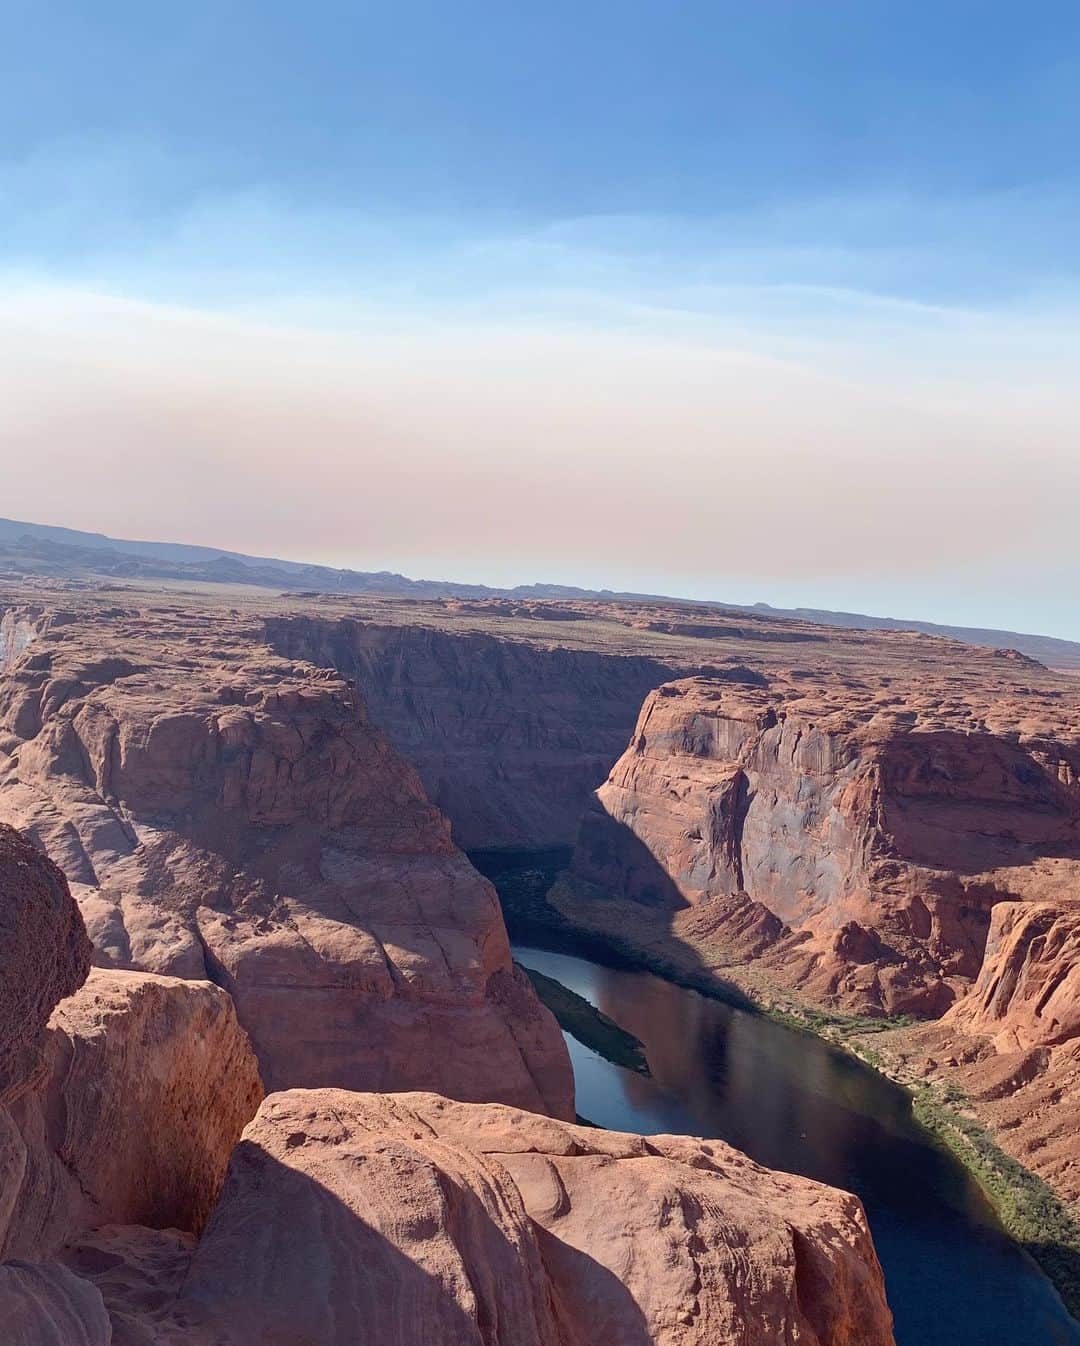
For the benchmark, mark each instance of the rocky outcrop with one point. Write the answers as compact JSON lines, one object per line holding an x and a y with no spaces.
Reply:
{"x":509,"y":738}
{"x":1028,"y":990}
{"x":44,"y":953}
{"x":877,"y":841}
{"x":148,"y":1083}
{"x":421,"y":1220}
{"x":124,"y":1106}
{"x":231,"y":816}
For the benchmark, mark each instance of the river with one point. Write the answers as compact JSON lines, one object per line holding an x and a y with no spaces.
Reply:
{"x":793,"y":1102}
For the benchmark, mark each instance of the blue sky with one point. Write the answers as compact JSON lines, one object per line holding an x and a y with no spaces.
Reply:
{"x":868,"y":211}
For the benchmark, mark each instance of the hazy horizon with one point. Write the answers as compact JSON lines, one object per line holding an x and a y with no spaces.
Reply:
{"x":777,"y":305}
{"x":539,"y":581}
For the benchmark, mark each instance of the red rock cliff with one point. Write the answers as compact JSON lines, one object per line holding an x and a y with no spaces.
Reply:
{"x":875,"y":842}
{"x":520,"y":1231}
{"x":230,"y":815}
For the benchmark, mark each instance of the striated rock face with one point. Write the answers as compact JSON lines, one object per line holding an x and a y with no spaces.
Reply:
{"x":44,"y":953}
{"x":1028,"y":990}
{"x":148,"y":1083}
{"x":865,"y":849}
{"x":420,"y":1220}
{"x":1012,"y":1044}
{"x":231,"y":816}
{"x":509,"y":739}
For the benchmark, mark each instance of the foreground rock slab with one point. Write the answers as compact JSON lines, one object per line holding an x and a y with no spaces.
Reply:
{"x":408,"y":1219}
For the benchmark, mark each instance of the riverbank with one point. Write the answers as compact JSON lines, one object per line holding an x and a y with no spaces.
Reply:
{"x":540,"y":908}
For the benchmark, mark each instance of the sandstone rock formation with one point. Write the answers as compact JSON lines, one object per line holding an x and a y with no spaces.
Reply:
{"x":44,"y":953}
{"x":224,"y":814}
{"x":149,"y":1081}
{"x":859,"y":846}
{"x":1028,"y":990}
{"x":420,"y":1220}
{"x":47,"y":1305}
{"x":124,"y":1107}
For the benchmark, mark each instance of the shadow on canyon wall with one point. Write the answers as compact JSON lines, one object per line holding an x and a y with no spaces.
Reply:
{"x":523,"y":880}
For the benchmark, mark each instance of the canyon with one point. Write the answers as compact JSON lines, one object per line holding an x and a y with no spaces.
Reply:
{"x":259,"y":801}
{"x":260,"y":1028}
{"x":828,"y":821}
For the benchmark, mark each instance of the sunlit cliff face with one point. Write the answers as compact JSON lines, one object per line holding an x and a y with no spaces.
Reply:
{"x":666,"y":460}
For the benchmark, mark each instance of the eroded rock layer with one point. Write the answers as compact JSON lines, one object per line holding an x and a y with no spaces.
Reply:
{"x":125,"y":1106}
{"x":229,"y":815}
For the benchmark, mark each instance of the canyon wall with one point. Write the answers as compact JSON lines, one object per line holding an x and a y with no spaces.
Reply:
{"x":1012,"y":1044}
{"x":509,"y":738}
{"x":229,"y":815}
{"x":866,"y":841}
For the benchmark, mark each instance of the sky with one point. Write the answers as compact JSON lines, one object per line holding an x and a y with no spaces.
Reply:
{"x":759,"y":302}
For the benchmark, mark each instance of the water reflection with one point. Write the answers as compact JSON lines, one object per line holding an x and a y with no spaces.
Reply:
{"x":792,"y":1102}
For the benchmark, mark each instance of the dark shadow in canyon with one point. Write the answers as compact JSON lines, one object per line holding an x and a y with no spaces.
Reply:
{"x":508,"y":737}
{"x":523,"y":880}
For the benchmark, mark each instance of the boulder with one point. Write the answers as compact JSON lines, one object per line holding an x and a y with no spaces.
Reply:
{"x":409,"y":1219}
{"x":149,"y":1082}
